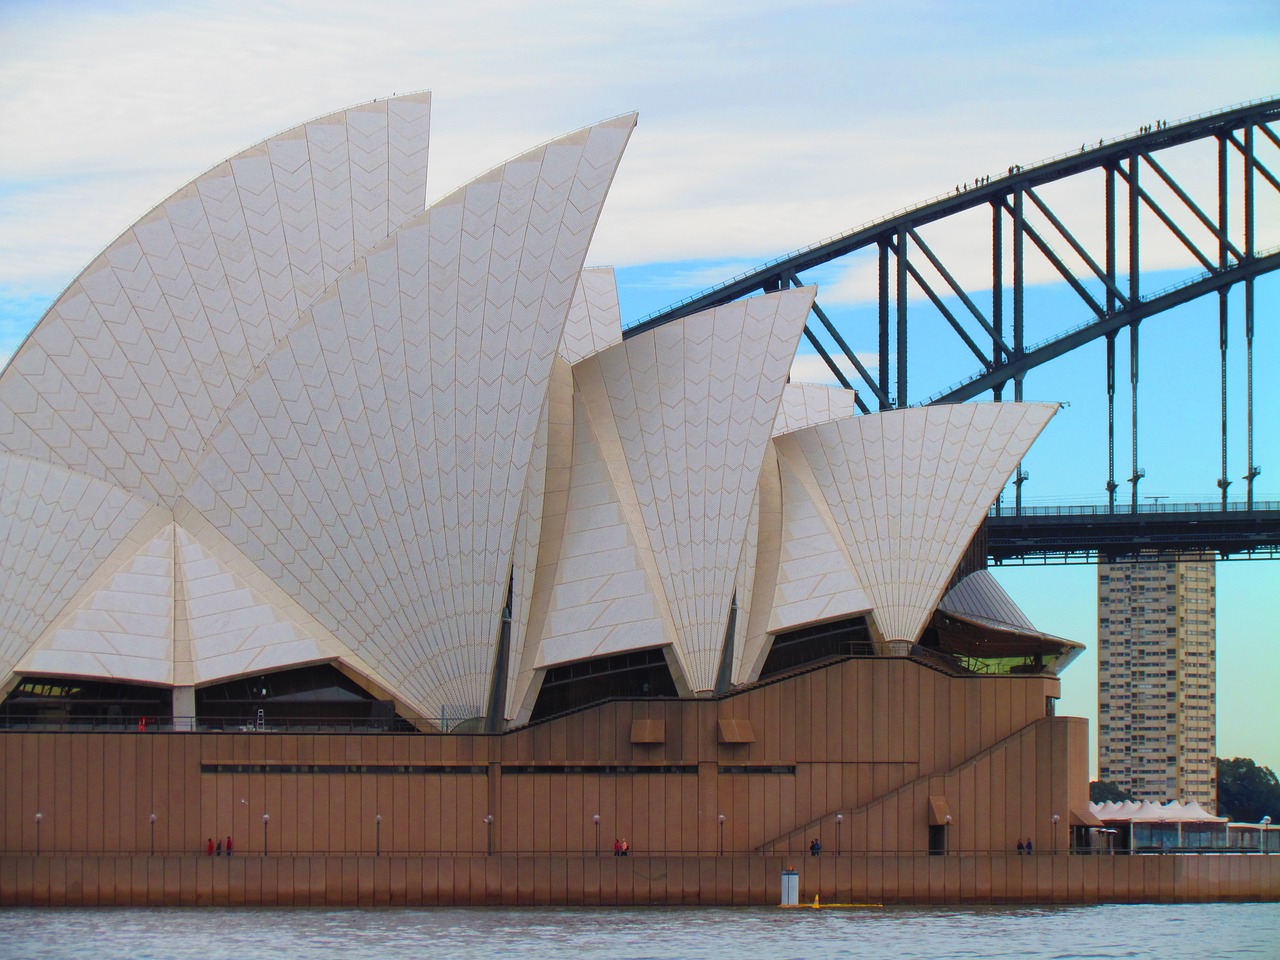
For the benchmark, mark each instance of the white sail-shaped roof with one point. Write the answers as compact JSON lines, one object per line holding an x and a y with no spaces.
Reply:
{"x":602,"y":598}
{"x":294,"y":417}
{"x":980,"y":595}
{"x":595,"y":319}
{"x":908,"y":489}
{"x":694,"y":403}
{"x":376,"y":465}
{"x":57,"y":530}
{"x":816,"y":579}
{"x":135,"y":365}
{"x":809,"y":404}
{"x":122,"y":627}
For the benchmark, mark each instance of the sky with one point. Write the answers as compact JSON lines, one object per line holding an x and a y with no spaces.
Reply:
{"x":763,"y":128}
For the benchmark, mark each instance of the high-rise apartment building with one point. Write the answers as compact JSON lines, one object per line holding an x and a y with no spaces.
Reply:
{"x":1156,"y":686}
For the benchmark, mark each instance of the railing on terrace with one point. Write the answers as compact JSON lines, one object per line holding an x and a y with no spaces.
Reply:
{"x":1126,"y":509}
{"x":938,"y":660}
{"x":247,"y":851}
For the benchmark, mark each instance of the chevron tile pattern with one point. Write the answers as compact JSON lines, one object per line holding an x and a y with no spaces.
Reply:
{"x":603,"y":600}
{"x":234,"y":629}
{"x":816,"y":578}
{"x":57,"y":530}
{"x":377,"y":463}
{"x":907,"y":489}
{"x":595,"y":319}
{"x":694,"y":403}
{"x":131,"y":370}
{"x":292,"y":416}
{"x":123,"y":628}
{"x":809,"y":404}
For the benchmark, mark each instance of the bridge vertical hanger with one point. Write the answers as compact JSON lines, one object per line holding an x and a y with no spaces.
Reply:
{"x":902,"y":316}
{"x":1020,"y":476}
{"x":1112,"y":486}
{"x":883,"y":323}
{"x":1223,"y":481}
{"x":1134,"y":297}
{"x":997,"y":295}
{"x":1111,"y":338}
{"x":997,"y":312}
{"x":1248,"y":306}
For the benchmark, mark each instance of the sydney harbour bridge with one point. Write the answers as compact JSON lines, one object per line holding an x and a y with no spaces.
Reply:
{"x":1126,"y":230}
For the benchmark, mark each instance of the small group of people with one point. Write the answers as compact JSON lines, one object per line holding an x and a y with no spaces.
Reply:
{"x":1024,"y":846}
{"x":215,"y":849}
{"x":815,"y":848}
{"x":977,"y":182}
{"x":1158,"y":125}
{"x":621,"y":848}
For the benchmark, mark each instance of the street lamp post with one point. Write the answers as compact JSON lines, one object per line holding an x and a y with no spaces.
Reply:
{"x":266,"y":819}
{"x":596,"y":820}
{"x":153,"y":834}
{"x":720,"y":820}
{"x":39,"y":817}
{"x":377,"y":834}
{"x":488,"y":827}
{"x":1054,"y":820}
{"x":839,"y":820}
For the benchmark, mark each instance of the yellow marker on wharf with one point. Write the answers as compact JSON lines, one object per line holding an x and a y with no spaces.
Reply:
{"x":818,"y":905}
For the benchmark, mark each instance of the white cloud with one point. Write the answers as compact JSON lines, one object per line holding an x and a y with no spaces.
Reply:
{"x":811,"y":368}
{"x":755,"y":138}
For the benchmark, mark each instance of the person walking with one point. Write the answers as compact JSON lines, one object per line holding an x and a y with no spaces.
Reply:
{"x":228,"y":845}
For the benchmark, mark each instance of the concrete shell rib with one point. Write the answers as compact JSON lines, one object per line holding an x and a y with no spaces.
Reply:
{"x":692,"y":405}
{"x":134,"y":366}
{"x":908,"y":489}
{"x":376,"y":465}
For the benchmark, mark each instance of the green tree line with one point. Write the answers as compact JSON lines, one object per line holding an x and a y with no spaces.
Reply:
{"x":1247,"y":792}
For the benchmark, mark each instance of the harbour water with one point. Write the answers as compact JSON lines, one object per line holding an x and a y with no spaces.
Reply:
{"x":1167,"y":932}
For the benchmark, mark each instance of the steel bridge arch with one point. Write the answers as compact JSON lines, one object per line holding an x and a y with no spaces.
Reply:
{"x":996,"y":335}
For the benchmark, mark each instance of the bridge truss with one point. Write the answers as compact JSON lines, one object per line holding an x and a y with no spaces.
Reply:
{"x":1050,"y":222}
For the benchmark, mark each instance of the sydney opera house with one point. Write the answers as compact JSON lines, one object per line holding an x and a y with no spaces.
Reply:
{"x":357,"y":530}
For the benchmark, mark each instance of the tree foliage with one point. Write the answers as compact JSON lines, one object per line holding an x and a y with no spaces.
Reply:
{"x":1100,"y":791}
{"x":1247,"y":792}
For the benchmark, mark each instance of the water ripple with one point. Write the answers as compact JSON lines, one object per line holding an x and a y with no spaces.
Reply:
{"x":1104,"y":932}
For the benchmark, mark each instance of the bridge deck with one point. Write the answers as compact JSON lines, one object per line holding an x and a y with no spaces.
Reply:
{"x":1049,"y":535}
